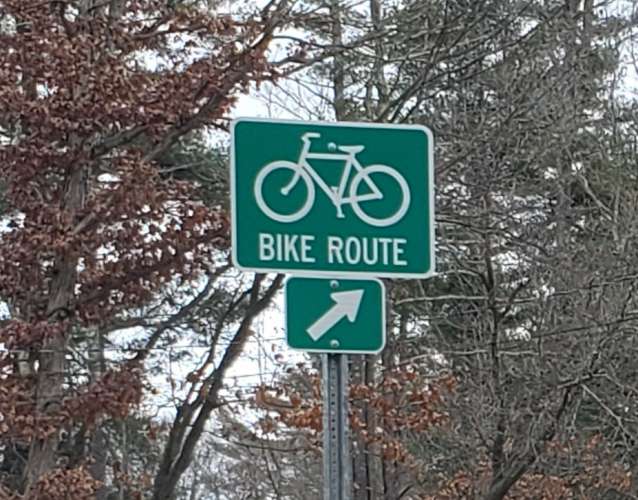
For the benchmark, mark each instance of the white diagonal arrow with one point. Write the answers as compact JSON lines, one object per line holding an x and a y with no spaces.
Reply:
{"x":346,"y":304}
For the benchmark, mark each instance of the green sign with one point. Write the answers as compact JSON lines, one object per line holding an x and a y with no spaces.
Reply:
{"x":332,"y":198}
{"x":338,"y":315}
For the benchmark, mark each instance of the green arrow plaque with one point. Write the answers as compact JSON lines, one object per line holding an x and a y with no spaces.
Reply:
{"x":335,"y":315}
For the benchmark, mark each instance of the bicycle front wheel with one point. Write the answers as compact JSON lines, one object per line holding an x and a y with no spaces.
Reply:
{"x":393,"y":203}
{"x":278,"y":195}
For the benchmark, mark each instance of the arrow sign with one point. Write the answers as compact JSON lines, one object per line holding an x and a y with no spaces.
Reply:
{"x":336,"y":315}
{"x":346,"y":304}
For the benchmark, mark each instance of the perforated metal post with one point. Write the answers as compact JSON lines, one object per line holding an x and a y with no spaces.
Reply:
{"x":337,"y":478}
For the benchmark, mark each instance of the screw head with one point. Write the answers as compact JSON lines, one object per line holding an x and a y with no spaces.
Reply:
{"x":334,"y":284}
{"x":334,"y":343}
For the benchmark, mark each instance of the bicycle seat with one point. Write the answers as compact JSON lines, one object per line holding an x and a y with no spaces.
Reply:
{"x":351,"y":149}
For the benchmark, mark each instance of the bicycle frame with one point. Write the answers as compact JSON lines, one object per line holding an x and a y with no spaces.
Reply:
{"x":334,"y":193}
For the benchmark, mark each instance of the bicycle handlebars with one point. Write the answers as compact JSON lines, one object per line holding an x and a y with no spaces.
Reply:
{"x":310,"y":135}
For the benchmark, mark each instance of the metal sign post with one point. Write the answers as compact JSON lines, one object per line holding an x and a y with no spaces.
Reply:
{"x":337,"y":477}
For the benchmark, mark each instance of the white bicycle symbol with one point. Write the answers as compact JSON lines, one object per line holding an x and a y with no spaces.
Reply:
{"x":304,"y":171}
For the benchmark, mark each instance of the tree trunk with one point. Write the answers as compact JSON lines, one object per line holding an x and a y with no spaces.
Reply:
{"x":500,"y":487}
{"x":98,"y":467}
{"x":97,"y":447}
{"x":51,"y":370}
{"x":191,"y":419}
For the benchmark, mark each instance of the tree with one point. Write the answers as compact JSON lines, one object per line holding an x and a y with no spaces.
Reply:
{"x":524,"y":249}
{"x":96,"y":228}
{"x":531,"y":312}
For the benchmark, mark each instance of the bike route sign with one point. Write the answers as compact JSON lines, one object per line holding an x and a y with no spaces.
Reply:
{"x":338,"y":315}
{"x":332,"y":199}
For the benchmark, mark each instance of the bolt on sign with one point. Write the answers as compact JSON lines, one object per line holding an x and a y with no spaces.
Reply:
{"x":346,"y":199}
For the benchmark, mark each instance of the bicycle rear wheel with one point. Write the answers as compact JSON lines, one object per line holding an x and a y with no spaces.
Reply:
{"x":279,"y":185}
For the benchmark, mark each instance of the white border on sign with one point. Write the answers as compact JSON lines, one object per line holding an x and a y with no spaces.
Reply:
{"x":384,"y":333}
{"x":309,"y":273}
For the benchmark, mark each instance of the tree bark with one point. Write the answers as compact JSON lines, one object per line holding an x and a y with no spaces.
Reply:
{"x":500,"y":487}
{"x":51,"y":370}
{"x":97,"y":446}
{"x":52,"y":366}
